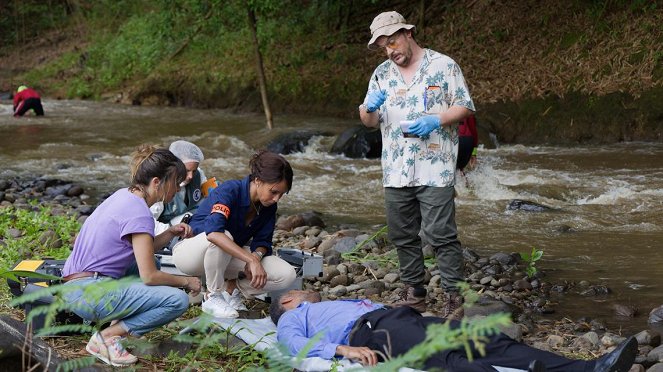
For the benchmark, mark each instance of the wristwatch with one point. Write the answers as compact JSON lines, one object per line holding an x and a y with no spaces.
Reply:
{"x":259,"y":254}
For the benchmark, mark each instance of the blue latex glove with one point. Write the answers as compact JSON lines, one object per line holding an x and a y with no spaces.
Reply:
{"x":375,"y":100}
{"x":424,"y":125}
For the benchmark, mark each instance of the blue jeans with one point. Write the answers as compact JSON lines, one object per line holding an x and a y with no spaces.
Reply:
{"x":140,"y":308}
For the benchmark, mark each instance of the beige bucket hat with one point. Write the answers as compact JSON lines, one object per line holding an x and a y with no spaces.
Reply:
{"x":386,"y":24}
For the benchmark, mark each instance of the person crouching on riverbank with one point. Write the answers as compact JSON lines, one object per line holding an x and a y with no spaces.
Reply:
{"x":119,"y":234}
{"x":234,"y":213}
{"x":187,"y":199}
{"x":27,"y":99}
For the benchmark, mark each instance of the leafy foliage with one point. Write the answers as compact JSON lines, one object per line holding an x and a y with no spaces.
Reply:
{"x":33,"y":242}
{"x":531,"y":259}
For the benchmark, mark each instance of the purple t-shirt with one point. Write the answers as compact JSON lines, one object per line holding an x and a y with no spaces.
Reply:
{"x":103,"y":245}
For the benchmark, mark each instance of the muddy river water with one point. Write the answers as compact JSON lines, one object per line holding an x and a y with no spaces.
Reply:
{"x":606,"y":227}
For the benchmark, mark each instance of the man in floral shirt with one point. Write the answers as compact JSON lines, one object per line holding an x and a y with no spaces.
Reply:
{"x":417,"y":97}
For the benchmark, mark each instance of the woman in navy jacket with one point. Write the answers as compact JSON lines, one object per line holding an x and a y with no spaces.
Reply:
{"x":237,"y":213}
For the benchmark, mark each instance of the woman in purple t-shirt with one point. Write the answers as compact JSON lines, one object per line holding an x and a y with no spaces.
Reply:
{"x":118,"y":234}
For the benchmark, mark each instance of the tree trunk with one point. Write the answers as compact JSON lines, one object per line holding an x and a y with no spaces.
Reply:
{"x":16,"y":339}
{"x":420,"y":26}
{"x":260,"y":69}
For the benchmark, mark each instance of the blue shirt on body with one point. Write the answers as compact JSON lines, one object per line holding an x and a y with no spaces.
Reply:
{"x":225,"y":209}
{"x":333,"y":319}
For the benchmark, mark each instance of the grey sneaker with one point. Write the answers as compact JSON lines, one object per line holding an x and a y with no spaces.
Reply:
{"x":452,"y":307}
{"x":414,"y":297}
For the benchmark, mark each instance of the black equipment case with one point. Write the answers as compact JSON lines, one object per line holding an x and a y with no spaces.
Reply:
{"x":27,"y":284}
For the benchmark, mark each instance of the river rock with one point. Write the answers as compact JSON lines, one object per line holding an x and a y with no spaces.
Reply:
{"x":522,"y":285}
{"x":14,"y":233}
{"x":596,"y":290}
{"x":328,"y":273}
{"x":504,"y":259}
{"x":626,"y":311}
{"x":312,"y":218}
{"x":75,"y":190}
{"x":656,"y":355}
{"x":327,"y":244}
{"x":526,"y":205}
{"x":391,"y":278}
{"x":611,"y":339}
{"x":359,"y":142}
{"x":313,"y":231}
{"x":648,"y":337}
{"x":658,"y":367}
{"x":656,"y":315}
{"x":372,"y":292}
{"x":311,"y":242}
{"x":331,"y":257}
{"x":338,"y":290}
{"x":288,"y":223}
{"x":555,"y":341}
{"x":340,"y":279}
{"x":345,"y":244}
{"x":486,"y":306}
{"x":85,"y":210}
{"x":300,"y":230}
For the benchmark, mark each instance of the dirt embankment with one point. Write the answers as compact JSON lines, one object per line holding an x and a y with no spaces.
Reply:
{"x":566,"y":72}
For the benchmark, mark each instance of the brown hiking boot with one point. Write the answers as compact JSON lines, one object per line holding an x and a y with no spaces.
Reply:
{"x":414,"y":297}
{"x":452,"y":307}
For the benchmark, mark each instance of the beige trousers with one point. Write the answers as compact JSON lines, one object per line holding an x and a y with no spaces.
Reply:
{"x":197,"y":256}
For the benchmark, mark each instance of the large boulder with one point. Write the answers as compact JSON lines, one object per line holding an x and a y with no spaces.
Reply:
{"x":359,"y":142}
{"x":291,"y":142}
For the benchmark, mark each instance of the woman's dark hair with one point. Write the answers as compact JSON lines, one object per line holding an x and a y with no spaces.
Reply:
{"x":270,"y":167}
{"x":148,"y":162}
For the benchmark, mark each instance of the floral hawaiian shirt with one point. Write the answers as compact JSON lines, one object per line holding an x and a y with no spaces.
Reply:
{"x":437,"y":85}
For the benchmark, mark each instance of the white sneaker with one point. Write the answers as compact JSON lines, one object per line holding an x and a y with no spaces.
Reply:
{"x":217,"y":306}
{"x":234,"y":300}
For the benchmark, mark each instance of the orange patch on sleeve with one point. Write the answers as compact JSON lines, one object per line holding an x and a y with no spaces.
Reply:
{"x":220,"y":208}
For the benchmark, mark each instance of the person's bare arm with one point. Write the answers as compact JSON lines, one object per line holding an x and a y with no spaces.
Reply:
{"x":144,"y":252}
{"x":453,"y":115}
{"x":181,"y":229}
{"x":369,"y":119}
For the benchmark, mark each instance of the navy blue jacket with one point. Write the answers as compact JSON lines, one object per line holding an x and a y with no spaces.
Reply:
{"x":225,"y":209}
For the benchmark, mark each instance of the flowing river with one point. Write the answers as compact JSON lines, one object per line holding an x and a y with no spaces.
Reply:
{"x":606,"y":225}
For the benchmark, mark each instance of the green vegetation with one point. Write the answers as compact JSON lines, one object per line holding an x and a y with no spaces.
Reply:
{"x":200,"y":52}
{"x":530,"y":259}
{"x":43,"y":235}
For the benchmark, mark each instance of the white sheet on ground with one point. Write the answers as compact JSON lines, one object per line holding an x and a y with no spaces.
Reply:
{"x":261,"y":334}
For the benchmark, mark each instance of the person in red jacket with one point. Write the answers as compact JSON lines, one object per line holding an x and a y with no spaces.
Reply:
{"x":26,"y":99}
{"x":468,"y":139}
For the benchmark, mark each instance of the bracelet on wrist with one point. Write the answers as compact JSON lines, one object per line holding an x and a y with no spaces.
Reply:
{"x":259,"y":254}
